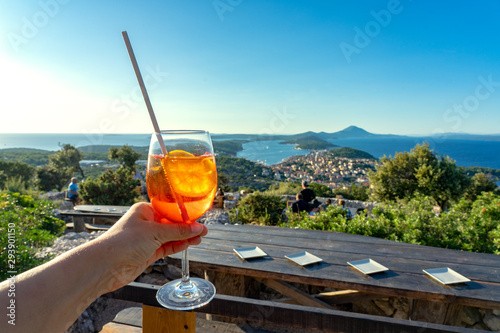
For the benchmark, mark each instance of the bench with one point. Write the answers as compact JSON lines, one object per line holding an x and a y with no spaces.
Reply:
{"x":78,"y":219}
{"x":66,"y":198}
{"x":129,"y":320}
{"x":154,"y":318}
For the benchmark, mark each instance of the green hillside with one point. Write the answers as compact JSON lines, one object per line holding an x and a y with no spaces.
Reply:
{"x":228,"y":147}
{"x":309,"y":142}
{"x":33,"y":157}
{"x":235,"y":173}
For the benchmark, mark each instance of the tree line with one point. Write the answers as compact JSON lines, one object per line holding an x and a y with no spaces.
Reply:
{"x":404,"y":176}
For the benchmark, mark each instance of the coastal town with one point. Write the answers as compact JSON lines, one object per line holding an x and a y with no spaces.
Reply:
{"x":323,"y":167}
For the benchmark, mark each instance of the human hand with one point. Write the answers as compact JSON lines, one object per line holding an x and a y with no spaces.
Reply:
{"x":140,"y":238}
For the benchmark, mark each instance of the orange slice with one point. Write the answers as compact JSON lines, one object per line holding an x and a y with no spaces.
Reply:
{"x":189,"y":175}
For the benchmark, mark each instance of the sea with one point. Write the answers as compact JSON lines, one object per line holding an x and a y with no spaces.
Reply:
{"x":466,"y":153}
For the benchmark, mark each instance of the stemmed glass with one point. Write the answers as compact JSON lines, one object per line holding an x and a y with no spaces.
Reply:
{"x":181,"y":187}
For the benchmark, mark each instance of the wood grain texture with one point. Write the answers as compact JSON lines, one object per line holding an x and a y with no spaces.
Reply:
{"x":405,"y":277}
{"x":160,"y":320}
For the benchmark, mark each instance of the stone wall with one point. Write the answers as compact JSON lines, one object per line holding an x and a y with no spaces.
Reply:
{"x":431,"y":312}
{"x":231,"y":201}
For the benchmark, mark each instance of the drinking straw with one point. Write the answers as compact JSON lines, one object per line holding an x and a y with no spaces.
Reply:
{"x":180,"y":203}
{"x":144,"y":92}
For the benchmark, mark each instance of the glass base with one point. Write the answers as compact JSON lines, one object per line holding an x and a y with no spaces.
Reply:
{"x":193,"y":294}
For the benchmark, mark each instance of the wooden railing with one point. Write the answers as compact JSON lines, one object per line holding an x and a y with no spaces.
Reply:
{"x":158,"y":319}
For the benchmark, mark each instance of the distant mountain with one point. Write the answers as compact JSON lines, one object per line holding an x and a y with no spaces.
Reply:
{"x":352,"y":132}
{"x":356,"y":132}
{"x":346,"y":133}
{"x":349,"y":132}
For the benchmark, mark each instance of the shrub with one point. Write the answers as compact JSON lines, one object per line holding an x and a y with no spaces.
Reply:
{"x":26,"y":225}
{"x":125,"y":155}
{"x":111,"y":188}
{"x":353,"y":192}
{"x":284,"y":188}
{"x":477,"y":224}
{"x":10,"y":169}
{"x":49,"y":177}
{"x":419,"y":172}
{"x":15,"y":184}
{"x":466,"y":226}
{"x":261,"y":208}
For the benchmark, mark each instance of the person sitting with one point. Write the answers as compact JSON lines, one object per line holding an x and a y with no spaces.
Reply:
{"x":141,"y":188}
{"x":314,"y":206}
{"x":347,"y":210}
{"x":73,"y":191}
{"x":300,"y":205}
{"x":219,"y":198}
{"x":361,"y":211}
{"x":323,"y":206}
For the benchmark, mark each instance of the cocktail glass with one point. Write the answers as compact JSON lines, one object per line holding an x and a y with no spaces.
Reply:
{"x":181,"y":188}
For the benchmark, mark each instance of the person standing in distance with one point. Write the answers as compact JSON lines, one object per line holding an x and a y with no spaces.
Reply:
{"x":307,"y":194}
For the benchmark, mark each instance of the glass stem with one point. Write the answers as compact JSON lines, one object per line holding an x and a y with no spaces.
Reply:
{"x":185,"y":267}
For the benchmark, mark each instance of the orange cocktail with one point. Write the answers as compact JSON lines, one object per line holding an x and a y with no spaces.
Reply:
{"x":181,"y":178}
{"x":182,"y":181}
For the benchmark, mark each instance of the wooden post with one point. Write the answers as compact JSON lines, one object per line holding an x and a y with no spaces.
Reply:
{"x":156,"y":320}
{"x":434,"y":312}
{"x":234,"y":285}
{"x":79,"y":224}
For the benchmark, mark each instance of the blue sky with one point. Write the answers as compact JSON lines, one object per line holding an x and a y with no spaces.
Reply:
{"x":241,"y":66}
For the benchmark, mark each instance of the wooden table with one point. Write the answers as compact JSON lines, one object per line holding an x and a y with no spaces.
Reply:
{"x":404,"y":278}
{"x":81,"y":212}
{"x":102,"y":209}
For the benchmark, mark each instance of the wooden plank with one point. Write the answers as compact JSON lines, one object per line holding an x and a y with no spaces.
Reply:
{"x":268,"y":312}
{"x":232,"y":284}
{"x":90,"y":227}
{"x":452,"y":315}
{"x":347,"y":296}
{"x":155,"y":319}
{"x":299,"y":296}
{"x":90,"y":214}
{"x":209,"y":326}
{"x":130,"y":316}
{"x":120,"y":328}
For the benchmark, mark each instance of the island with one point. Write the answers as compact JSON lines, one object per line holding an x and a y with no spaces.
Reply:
{"x":309,"y":142}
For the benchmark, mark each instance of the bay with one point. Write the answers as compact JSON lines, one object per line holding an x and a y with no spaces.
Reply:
{"x":465,"y":152}
{"x":269,"y":152}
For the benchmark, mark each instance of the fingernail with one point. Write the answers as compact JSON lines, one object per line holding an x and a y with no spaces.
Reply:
{"x":196,"y":228}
